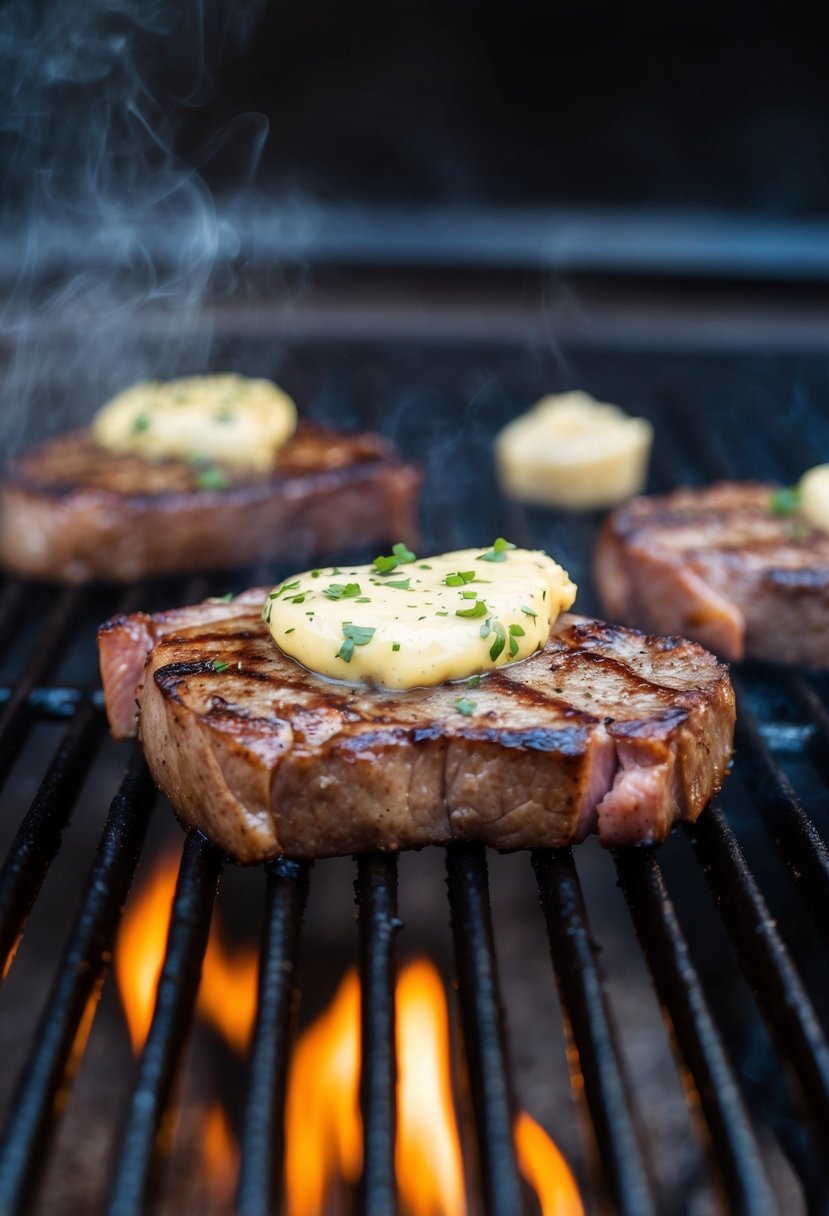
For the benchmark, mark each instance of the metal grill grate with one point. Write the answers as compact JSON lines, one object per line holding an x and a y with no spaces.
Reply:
{"x":727,"y":1103}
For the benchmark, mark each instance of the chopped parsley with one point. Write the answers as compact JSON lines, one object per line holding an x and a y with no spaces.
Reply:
{"x":291,"y":630}
{"x":342,"y":591}
{"x":219,"y":665}
{"x":498,"y":552}
{"x":395,"y":645}
{"x":459,"y":577}
{"x":469,"y":595}
{"x":401,"y":556}
{"x":400,"y":584}
{"x":474,"y":681}
{"x":516,"y":631}
{"x":140,"y":423}
{"x":785,"y":501}
{"x":466,"y":706}
{"x":221,"y":599}
{"x":529,"y":611}
{"x":355,"y":635}
{"x":479,"y":608}
{"x":212,"y":478}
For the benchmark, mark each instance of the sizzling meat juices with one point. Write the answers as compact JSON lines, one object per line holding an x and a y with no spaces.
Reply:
{"x":599,"y":729}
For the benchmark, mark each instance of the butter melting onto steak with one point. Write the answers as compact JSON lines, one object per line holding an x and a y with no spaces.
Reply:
{"x":720,"y":565}
{"x":71,"y":511}
{"x":605,"y":729}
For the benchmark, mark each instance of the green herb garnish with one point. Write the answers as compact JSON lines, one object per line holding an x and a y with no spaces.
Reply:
{"x":342,"y":591}
{"x":465,"y":706}
{"x":516,"y":631}
{"x":395,"y":645}
{"x":785,"y":500}
{"x":212,"y":478}
{"x":401,"y":557}
{"x":528,"y":611}
{"x":459,"y":577}
{"x":355,"y":635}
{"x":221,"y":599}
{"x":479,"y":608}
{"x":140,"y":423}
{"x":403,"y":554}
{"x":400,"y":584}
{"x":219,"y":665}
{"x":498,"y":552}
{"x":291,"y":630}
{"x":474,"y":681}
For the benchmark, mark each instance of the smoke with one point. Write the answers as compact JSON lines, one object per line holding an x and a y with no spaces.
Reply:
{"x":111,"y":242}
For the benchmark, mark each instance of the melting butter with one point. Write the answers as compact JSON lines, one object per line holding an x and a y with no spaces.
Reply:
{"x":404,"y":622}
{"x":229,"y":419}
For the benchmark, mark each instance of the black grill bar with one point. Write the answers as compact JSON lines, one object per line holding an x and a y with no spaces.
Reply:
{"x":590,"y":1025}
{"x":262,"y":1141}
{"x":484,"y":1036}
{"x":196,"y":889}
{"x":799,"y":843}
{"x":39,"y":836}
{"x":80,"y":977}
{"x":780,"y":995}
{"x":678,"y":986}
{"x":376,"y":889}
{"x":18,"y":712}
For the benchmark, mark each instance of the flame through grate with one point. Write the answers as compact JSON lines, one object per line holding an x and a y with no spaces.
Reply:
{"x":762,"y":821}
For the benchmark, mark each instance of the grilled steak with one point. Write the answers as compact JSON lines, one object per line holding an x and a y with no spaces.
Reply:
{"x":71,"y":511}
{"x":606,"y":730}
{"x":719,"y":565}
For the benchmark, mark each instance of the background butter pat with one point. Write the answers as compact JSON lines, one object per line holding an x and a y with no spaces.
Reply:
{"x":574,"y":452}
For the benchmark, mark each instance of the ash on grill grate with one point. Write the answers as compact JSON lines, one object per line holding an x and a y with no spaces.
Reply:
{"x":724,"y":1106}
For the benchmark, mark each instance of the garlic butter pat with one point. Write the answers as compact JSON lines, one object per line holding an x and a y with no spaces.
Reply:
{"x":228,"y":419}
{"x":406,"y":622}
{"x":574,"y":452}
{"x":813,"y":496}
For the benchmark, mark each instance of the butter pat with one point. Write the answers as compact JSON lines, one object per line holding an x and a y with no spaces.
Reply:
{"x":229,"y":419}
{"x":574,"y":452}
{"x":814,"y":496}
{"x":404,"y":622}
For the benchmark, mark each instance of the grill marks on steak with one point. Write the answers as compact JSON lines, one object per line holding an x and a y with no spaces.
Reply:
{"x":605,"y":729}
{"x":716,"y":564}
{"x":71,"y":511}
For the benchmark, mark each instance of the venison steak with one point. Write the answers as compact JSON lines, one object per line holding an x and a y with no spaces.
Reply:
{"x":71,"y":511}
{"x":720,"y":565}
{"x":605,"y":729}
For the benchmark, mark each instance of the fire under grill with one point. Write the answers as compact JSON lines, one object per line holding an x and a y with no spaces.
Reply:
{"x":754,"y":1069}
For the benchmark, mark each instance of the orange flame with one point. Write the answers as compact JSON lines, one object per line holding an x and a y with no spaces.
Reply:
{"x":546,"y":1170}
{"x":323,"y":1129}
{"x":221,"y":1154}
{"x":228,"y":990}
{"x":428,"y":1151}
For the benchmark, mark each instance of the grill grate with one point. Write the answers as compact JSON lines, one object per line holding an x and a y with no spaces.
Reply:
{"x":734,"y":1124}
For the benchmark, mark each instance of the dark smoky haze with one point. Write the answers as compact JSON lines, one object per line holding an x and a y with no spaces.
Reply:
{"x":104,"y":225}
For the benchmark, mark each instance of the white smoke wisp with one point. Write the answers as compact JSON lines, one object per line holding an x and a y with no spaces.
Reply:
{"x":109,"y":244}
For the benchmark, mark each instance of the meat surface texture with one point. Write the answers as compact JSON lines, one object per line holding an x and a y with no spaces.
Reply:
{"x":719,"y":565}
{"x":605,"y":729}
{"x":73,"y":512}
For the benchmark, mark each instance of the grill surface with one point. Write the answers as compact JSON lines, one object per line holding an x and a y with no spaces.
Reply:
{"x":761,"y":851}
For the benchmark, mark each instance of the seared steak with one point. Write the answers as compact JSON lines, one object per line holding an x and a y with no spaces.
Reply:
{"x":71,"y":511}
{"x":605,"y":729}
{"x":719,"y":565}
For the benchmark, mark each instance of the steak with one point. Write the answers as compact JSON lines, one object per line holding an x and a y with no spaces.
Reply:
{"x":719,"y":565}
{"x":71,"y":511}
{"x":605,"y":729}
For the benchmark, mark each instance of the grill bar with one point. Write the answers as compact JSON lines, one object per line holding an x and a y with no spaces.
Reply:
{"x":196,"y":889}
{"x":263,"y":1143}
{"x":799,"y":843}
{"x":678,"y":986}
{"x":483,"y":1028}
{"x":780,"y":995}
{"x":590,"y":1025}
{"x":39,"y":837}
{"x":376,"y":889}
{"x":74,"y":996}
{"x":18,"y":713}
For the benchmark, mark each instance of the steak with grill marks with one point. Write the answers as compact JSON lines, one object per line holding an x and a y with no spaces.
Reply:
{"x":717,"y":564}
{"x":605,"y":729}
{"x":71,"y":511}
